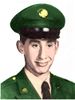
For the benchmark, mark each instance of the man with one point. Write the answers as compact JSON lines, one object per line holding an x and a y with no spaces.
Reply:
{"x":39,"y":27}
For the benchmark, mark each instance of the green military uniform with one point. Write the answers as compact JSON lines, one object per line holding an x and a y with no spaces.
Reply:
{"x":37,"y":21}
{"x":19,"y":87}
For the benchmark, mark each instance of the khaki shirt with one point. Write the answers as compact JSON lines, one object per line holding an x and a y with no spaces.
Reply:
{"x":37,"y":81}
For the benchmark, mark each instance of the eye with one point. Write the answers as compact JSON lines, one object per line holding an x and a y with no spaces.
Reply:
{"x":35,"y":45}
{"x":49,"y":44}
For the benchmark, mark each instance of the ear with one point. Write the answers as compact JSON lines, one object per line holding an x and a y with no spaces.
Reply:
{"x":20,"y":46}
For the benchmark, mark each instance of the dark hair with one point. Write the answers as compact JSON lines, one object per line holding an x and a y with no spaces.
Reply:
{"x":22,"y":39}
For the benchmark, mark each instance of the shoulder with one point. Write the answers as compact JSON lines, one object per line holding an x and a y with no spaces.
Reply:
{"x":13,"y":85}
{"x":8,"y":87}
{"x":64,"y":84}
{"x":8,"y":82}
{"x":63,"y":81}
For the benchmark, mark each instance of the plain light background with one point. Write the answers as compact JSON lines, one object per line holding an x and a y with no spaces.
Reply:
{"x":11,"y":61}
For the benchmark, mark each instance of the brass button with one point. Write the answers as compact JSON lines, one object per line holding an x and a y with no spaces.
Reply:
{"x":14,"y":78}
{"x":58,"y":87}
{"x":24,"y":90}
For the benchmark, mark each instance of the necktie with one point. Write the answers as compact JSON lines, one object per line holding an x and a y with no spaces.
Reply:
{"x":45,"y":90}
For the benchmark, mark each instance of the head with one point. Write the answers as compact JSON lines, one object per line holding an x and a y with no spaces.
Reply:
{"x":39,"y":27}
{"x":38,"y":53}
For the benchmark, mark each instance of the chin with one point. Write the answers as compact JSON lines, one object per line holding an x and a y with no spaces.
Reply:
{"x":43,"y":71}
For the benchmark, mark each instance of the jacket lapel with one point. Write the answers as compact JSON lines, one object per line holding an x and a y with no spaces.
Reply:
{"x":26,"y":89}
{"x":56,"y":88}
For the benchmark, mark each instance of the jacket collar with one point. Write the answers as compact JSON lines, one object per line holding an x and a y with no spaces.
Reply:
{"x":26,"y":88}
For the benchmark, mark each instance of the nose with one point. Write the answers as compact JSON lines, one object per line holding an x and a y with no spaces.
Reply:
{"x":42,"y":53}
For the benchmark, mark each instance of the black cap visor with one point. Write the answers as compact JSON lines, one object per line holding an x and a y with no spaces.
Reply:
{"x":38,"y":33}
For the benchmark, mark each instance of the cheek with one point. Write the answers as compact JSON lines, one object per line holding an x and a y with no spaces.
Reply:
{"x":51,"y":52}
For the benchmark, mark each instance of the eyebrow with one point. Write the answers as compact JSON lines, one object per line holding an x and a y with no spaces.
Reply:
{"x":51,"y":40}
{"x":34,"y":40}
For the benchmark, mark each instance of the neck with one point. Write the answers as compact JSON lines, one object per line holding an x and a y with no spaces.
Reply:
{"x":42,"y":76}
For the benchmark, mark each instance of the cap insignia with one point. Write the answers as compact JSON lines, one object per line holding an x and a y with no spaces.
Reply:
{"x":43,"y":13}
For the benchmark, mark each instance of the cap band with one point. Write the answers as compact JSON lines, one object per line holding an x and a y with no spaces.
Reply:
{"x":40,"y":33}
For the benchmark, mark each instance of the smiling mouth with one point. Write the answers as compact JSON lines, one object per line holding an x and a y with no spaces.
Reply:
{"x":42,"y":64}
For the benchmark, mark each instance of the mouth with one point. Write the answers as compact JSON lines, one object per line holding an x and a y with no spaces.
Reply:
{"x":42,"y":64}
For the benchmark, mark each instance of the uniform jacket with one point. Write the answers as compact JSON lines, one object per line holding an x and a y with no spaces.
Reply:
{"x":19,"y":87}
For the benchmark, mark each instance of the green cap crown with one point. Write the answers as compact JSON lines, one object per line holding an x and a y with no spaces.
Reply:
{"x":40,"y":16}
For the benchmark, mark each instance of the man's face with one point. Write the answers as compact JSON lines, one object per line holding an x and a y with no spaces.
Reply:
{"x":39,"y":55}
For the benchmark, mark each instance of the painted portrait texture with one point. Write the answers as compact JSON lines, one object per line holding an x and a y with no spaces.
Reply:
{"x":39,"y":28}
